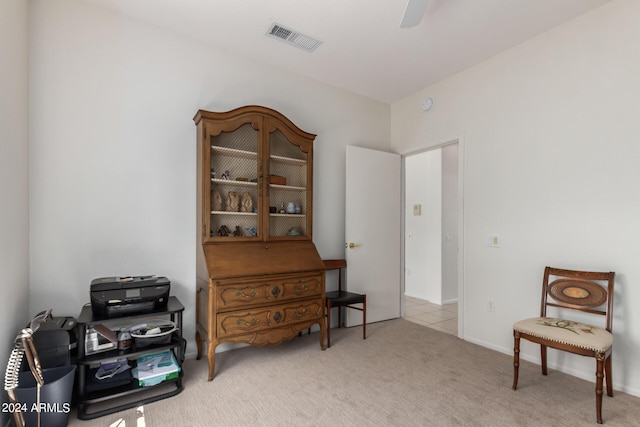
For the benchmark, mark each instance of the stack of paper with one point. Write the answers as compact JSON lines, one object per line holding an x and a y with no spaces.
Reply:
{"x":152,"y":369}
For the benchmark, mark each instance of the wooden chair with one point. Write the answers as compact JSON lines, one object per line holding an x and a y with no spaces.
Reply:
{"x":342,"y":298}
{"x":587,"y":292}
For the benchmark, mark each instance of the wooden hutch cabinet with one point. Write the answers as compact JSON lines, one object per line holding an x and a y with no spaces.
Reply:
{"x":260,"y":278}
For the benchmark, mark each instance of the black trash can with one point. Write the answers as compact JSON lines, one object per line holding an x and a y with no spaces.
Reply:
{"x":55,"y":396}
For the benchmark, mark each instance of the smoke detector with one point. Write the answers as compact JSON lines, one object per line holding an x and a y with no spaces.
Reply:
{"x":292,"y":37}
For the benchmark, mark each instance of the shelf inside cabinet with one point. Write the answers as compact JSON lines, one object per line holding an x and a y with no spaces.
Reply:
{"x":234,"y":213}
{"x":288,"y":160}
{"x":286,"y":187}
{"x":219,"y":181}
{"x":234,"y":152}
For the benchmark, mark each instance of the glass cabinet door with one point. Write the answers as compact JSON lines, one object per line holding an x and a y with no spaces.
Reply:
{"x":289,"y":203}
{"x":234,"y":191}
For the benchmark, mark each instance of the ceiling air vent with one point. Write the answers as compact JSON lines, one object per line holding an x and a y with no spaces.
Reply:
{"x":292,"y":37}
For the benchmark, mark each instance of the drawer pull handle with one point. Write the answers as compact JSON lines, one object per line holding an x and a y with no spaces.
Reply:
{"x":298,"y":313}
{"x":277,"y":316}
{"x":243,"y":322}
{"x":275,"y":291}
{"x":304,"y":287}
{"x":241,"y":294}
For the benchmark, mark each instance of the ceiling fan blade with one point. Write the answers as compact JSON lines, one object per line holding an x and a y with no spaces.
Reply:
{"x":413,"y":13}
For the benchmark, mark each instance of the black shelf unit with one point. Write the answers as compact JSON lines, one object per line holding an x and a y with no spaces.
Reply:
{"x":85,"y":399}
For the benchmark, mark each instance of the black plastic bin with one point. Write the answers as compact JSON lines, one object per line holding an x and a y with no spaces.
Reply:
{"x":55,"y":396}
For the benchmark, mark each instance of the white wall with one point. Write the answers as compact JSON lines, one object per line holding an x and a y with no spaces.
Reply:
{"x":113,"y":144}
{"x":550,"y":141}
{"x":14,"y":179}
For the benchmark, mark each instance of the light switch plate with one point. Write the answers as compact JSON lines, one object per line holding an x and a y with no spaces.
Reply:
{"x":417,"y":210}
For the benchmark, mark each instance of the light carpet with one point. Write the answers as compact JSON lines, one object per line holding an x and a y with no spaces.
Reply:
{"x":403,"y":374}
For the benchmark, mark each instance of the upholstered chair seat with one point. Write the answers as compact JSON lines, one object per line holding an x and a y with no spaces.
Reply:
{"x":562,"y":331}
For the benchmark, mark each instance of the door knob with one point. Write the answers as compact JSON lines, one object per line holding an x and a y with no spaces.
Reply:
{"x":352,"y":245}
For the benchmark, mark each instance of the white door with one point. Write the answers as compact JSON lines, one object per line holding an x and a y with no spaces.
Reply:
{"x":373,"y":232}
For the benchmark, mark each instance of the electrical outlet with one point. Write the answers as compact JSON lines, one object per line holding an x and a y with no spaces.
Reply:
{"x":491,"y":305}
{"x":494,"y":241}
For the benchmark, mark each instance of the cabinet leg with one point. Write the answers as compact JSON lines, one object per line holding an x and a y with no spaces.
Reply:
{"x":198,"y":345}
{"x":211,"y":356}
{"x":323,"y":334}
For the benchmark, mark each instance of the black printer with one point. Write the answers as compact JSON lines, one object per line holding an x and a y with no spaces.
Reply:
{"x":126,"y":296}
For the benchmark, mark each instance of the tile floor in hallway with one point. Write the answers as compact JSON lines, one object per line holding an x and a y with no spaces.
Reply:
{"x":441,"y":317}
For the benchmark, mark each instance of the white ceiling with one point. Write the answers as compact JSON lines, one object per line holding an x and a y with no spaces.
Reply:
{"x":364,"y":50}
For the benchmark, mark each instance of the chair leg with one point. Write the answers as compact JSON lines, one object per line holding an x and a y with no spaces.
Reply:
{"x":607,"y":374}
{"x":516,"y":358}
{"x":329,"y":323}
{"x":543,"y":358}
{"x":364,"y":317}
{"x":599,"y":376}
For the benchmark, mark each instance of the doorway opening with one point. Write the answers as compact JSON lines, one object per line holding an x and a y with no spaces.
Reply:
{"x":432,"y":280}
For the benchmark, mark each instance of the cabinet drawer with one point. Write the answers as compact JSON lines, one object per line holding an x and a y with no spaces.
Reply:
{"x":260,"y":319}
{"x":302,"y":287}
{"x":243,"y":294}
